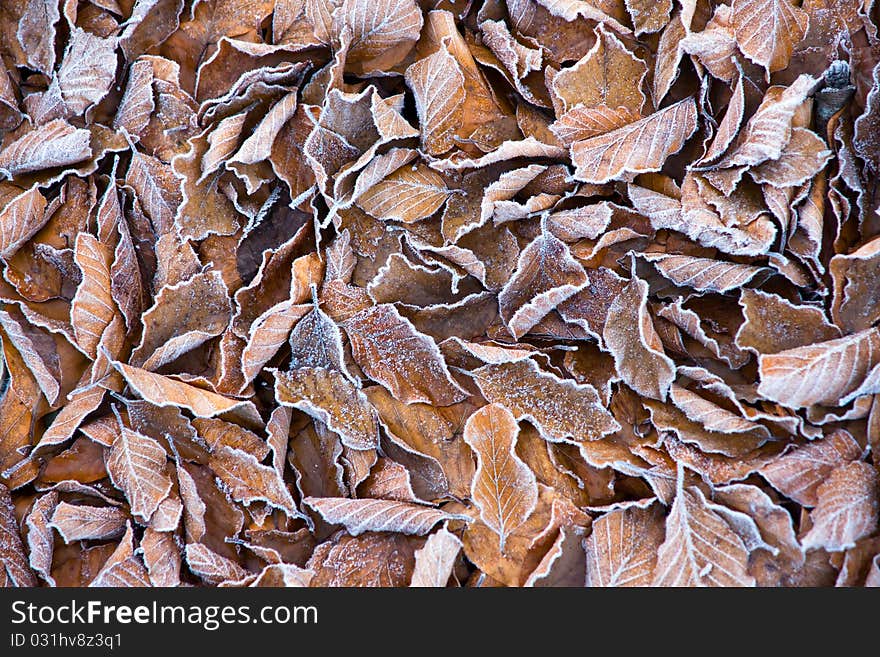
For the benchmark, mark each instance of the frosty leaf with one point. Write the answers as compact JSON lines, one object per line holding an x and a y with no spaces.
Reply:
{"x":820,"y":373}
{"x":768,"y":30}
{"x":608,"y":75}
{"x":76,"y":522}
{"x":390,"y":350}
{"x":546,"y":275}
{"x":856,"y":304}
{"x":636,"y":148}
{"x":53,"y":144}
{"x":581,"y":122}
{"x":136,"y":464}
{"x":622,"y":547}
{"x":409,"y":194}
{"x":637,"y":349}
{"x":561,"y":409}
{"x":769,"y":129}
{"x":700,"y":222}
{"x":382,"y":33}
{"x":21,"y":217}
{"x":799,"y":473}
{"x":372,"y":559}
{"x":504,"y":488}
{"x":137,"y":102}
{"x":248,"y":481}
{"x":268,"y":332}
{"x":87,"y":71}
{"x":700,"y":549}
{"x":435,"y":560}
{"x":161,"y":557}
{"x":40,"y":540}
{"x":847,"y":508}
{"x":164,"y":391}
{"x":182,"y":317}
{"x":212,"y":567}
{"x":648,"y":16}
{"x":359,"y":516}
{"x":92,"y":308}
{"x":157,"y":190}
{"x":774,"y":324}
{"x":703,"y":274}
{"x":801,"y":159}
{"x":12,"y":554}
{"x":329,"y":397}
{"x":36,"y":33}
{"x":438,"y":86}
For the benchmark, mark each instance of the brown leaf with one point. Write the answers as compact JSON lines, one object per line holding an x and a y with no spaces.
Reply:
{"x":439,"y":89}
{"x":161,"y":557}
{"x":23,"y":214}
{"x":40,"y":540}
{"x":700,"y":549}
{"x":648,"y":16}
{"x":165,"y":391}
{"x":54,"y":144}
{"x":381,"y":33}
{"x":212,"y":567}
{"x":769,"y":129}
{"x":77,"y":522}
{"x":87,"y":70}
{"x":821,"y":373}
{"x":329,"y":397}
{"x":248,"y":481}
{"x":409,"y":194}
{"x":372,"y":559}
{"x":182,"y":317}
{"x":774,"y":324}
{"x":137,"y":465}
{"x":546,"y":275}
{"x":608,"y":75}
{"x":804,"y":156}
{"x":435,"y":560}
{"x":391,"y":351}
{"x":267,"y":333}
{"x":847,"y":508}
{"x":703,"y":274}
{"x":768,"y":30}
{"x":636,"y":148}
{"x":504,"y":488}
{"x":123,"y":568}
{"x":560,"y":409}
{"x":92,"y":308}
{"x":427,"y":440}
{"x":631,"y":338}
{"x":622,"y":547}
{"x":389,"y":480}
{"x":359,"y":516}
{"x":856,"y":304}
{"x":799,"y":473}
{"x":12,"y":553}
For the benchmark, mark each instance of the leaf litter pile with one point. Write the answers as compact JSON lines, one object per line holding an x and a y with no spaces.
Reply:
{"x":387,"y":293}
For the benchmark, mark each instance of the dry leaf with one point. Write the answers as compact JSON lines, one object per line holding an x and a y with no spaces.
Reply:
{"x":700,"y":549}
{"x":359,"y":516}
{"x":435,"y":560}
{"x":504,"y":488}
{"x":329,"y":397}
{"x":847,"y":508}
{"x":635,"y":148}
{"x":391,"y":351}
{"x":820,"y":373}
{"x":631,"y":338}
{"x":622,"y":547}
